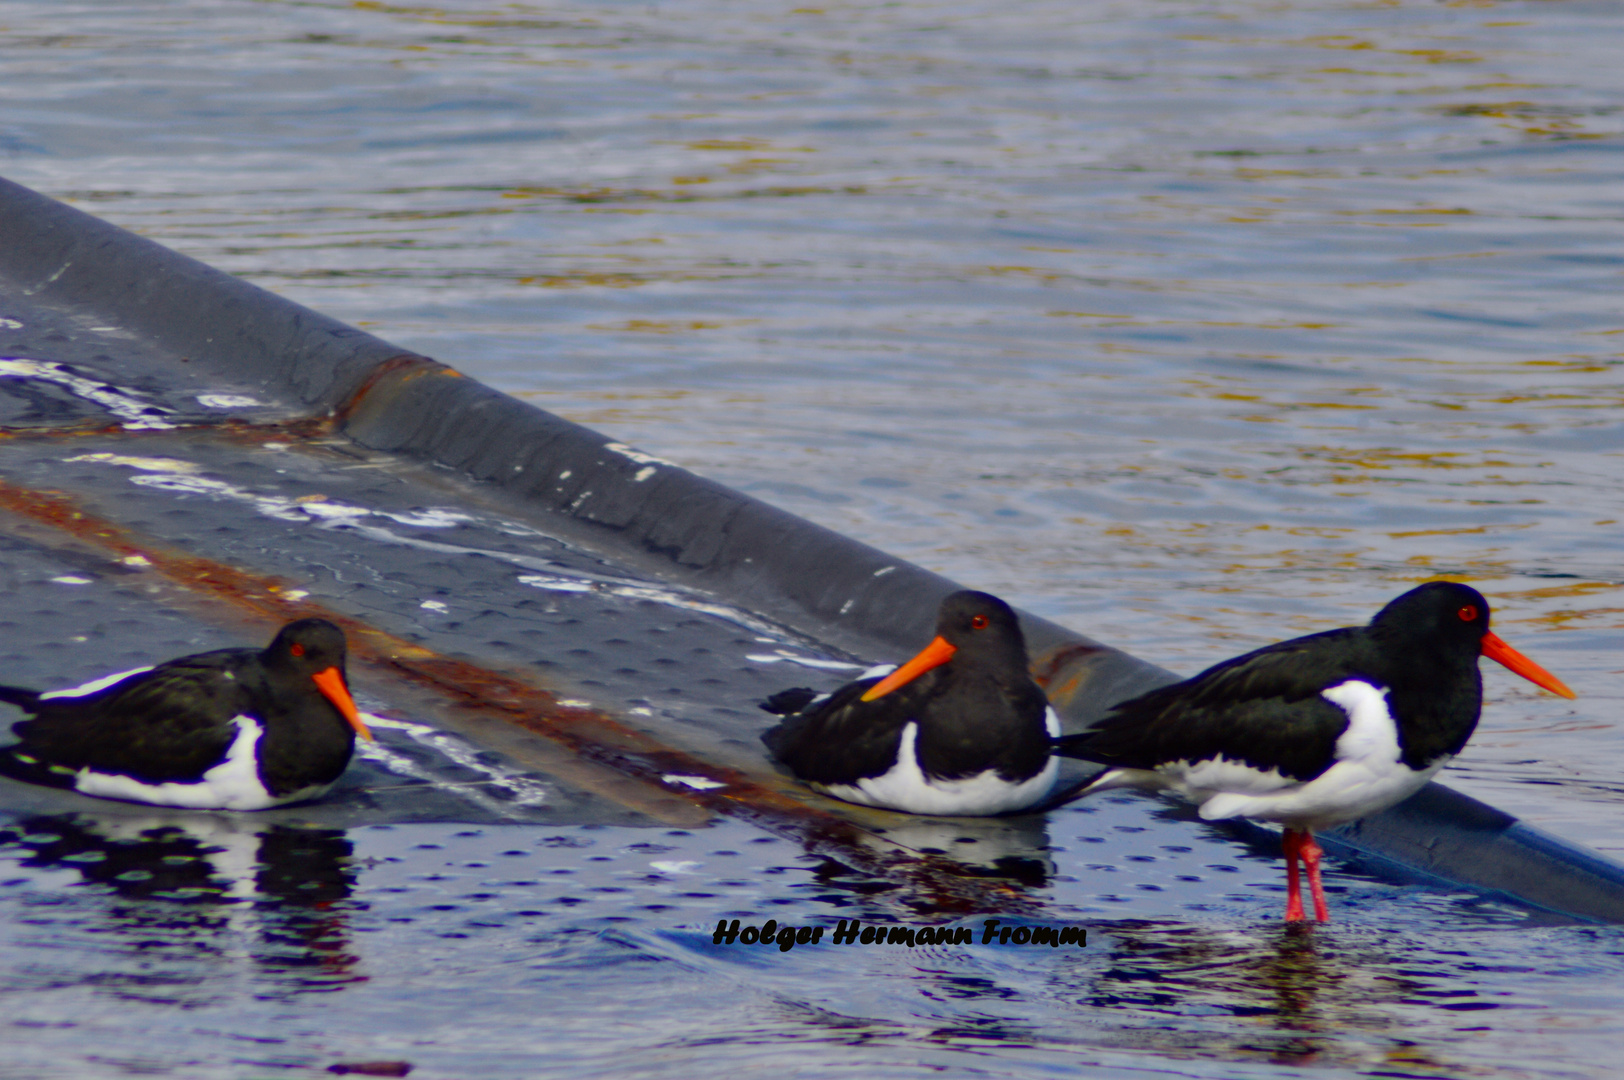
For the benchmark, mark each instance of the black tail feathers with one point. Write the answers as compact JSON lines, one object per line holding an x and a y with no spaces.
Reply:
{"x":789,"y":702}
{"x":18,"y":764}
{"x":16,"y":695}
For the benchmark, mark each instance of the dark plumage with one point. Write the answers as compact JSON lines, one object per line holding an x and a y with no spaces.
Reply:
{"x":235,"y":728}
{"x":1315,"y":731}
{"x":960,"y":729}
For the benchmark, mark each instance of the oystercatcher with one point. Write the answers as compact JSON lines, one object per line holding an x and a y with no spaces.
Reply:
{"x":1316,"y":731}
{"x":959,"y":729}
{"x":233,"y":729}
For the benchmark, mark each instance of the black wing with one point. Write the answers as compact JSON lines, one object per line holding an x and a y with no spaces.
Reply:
{"x":1263,"y":708}
{"x":171,"y":723}
{"x":843,"y":739}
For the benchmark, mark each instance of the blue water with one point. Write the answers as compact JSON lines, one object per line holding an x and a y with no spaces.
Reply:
{"x":201,"y":948}
{"x":1190,"y":325}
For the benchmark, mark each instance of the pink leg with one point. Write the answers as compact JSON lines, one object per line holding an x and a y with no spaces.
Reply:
{"x":1311,"y":853}
{"x":1293,"y":842}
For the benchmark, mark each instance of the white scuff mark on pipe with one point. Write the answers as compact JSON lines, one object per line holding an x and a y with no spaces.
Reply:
{"x":676,"y":866}
{"x":134,"y":414}
{"x":63,"y":269}
{"x":782,"y":655}
{"x":145,"y":464}
{"x":227,"y":401}
{"x":331,"y":511}
{"x":525,"y":792}
{"x":644,"y":474}
{"x":698,"y":783}
{"x":170,"y":474}
{"x":430,"y":518}
{"x":639,"y":591}
{"x":555,"y":584}
{"x":637,"y":455}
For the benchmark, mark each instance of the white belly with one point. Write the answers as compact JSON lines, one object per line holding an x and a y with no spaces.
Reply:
{"x":234,"y":784}
{"x":1367,"y":775}
{"x":906,"y":787}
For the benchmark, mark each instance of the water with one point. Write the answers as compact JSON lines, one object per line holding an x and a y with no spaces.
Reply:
{"x":1191,"y":325}
{"x":207,"y":949}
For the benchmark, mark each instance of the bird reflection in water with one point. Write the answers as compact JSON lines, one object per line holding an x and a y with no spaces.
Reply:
{"x":947,"y":851}
{"x":1014,"y":847}
{"x":202,"y":886}
{"x":1300,"y":999}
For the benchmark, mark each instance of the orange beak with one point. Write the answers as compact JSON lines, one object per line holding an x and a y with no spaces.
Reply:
{"x":1501,"y":653}
{"x":331,"y":685}
{"x":935,"y":654}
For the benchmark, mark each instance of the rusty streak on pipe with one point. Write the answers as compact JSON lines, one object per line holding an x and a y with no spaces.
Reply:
{"x":935,"y":884}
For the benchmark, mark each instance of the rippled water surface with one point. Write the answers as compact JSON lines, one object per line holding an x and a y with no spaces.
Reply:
{"x":1190,"y":325}
{"x":201,"y":948}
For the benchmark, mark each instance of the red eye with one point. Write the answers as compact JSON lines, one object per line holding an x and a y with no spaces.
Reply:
{"x":1468,"y":613}
{"x":979,"y":622}
{"x":297,"y":649}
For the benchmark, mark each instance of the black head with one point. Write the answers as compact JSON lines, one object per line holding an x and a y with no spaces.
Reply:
{"x":314,"y":648}
{"x":1439,"y":614}
{"x":1448,"y":621}
{"x":980,"y":623}
{"x":972,"y":628}
{"x":309,"y":646}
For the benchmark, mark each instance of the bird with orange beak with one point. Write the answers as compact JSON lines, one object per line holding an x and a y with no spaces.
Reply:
{"x":233,"y":729}
{"x":959,"y":729}
{"x":1316,"y":731}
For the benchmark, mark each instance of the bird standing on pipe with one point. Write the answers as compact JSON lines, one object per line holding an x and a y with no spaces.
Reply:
{"x":1316,"y":731}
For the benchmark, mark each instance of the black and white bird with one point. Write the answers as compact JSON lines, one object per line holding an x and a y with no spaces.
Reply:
{"x":959,"y":729}
{"x":1316,"y":731}
{"x":233,"y":729}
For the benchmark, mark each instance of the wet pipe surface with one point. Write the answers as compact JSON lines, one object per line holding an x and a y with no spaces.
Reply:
{"x":170,"y":522}
{"x":160,"y":501}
